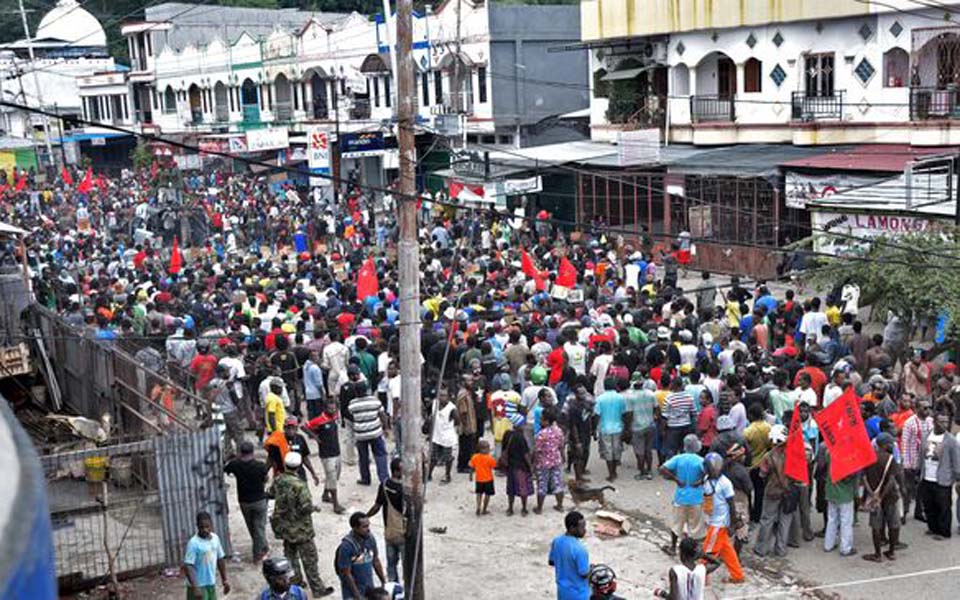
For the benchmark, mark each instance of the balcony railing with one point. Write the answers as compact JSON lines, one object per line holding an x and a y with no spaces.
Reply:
{"x":360,"y":109}
{"x":817,"y":108}
{"x":934,"y":103}
{"x":711,"y":108}
{"x":283,"y":111}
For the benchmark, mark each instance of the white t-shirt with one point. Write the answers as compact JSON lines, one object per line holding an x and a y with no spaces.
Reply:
{"x":444,"y":430}
{"x":690,"y":582}
{"x":812,"y":324}
{"x":809,"y":397}
{"x":632,"y":272}
{"x":932,"y":455}
{"x":577,"y":355}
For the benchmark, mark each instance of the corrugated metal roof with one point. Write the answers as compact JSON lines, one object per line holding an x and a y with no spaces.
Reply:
{"x":14,"y":143}
{"x":566,"y":152}
{"x":890,"y":158}
{"x":749,"y":160}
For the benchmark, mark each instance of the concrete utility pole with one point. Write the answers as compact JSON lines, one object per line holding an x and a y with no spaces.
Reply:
{"x":36,"y":82}
{"x":408,"y":258}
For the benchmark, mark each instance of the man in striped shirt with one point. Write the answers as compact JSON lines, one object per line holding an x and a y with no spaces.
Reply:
{"x":368,"y":420}
{"x":680,"y":413}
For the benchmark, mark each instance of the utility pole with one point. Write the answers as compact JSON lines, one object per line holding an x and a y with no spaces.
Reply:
{"x":408,"y":257}
{"x":335,"y":148}
{"x":36,"y":81}
{"x":63,"y":151}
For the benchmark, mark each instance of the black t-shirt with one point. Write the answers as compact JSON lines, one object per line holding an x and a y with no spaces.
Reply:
{"x":297,"y":443}
{"x":390,"y":491}
{"x":251,"y":477}
{"x":328,"y":440}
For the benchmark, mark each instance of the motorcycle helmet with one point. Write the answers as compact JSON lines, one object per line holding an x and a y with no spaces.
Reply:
{"x":603,"y":580}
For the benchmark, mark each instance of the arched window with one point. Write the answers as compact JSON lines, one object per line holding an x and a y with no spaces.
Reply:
{"x":752,"y":79}
{"x":896,"y":68}
{"x":169,"y":100}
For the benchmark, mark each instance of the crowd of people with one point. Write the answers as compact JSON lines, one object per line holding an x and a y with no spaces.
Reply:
{"x":541,"y":347}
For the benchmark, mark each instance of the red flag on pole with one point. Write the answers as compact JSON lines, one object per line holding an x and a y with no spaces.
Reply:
{"x":526,"y":264}
{"x":87,"y":184}
{"x":566,"y":274}
{"x":101,"y":183}
{"x":796,"y":466}
{"x":65,"y":173}
{"x":21,"y":183}
{"x":367,"y":282}
{"x":176,"y":259}
{"x":845,"y":436}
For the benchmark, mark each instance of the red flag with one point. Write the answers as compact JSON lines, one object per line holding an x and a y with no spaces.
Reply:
{"x":567,"y":274}
{"x":796,"y":467}
{"x":526,"y":265}
{"x":101,"y":183}
{"x":845,"y":436}
{"x":65,"y":173}
{"x":176,"y":259}
{"x":21,"y":183}
{"x":154,"y":167}
{"x":87,"y":184}
{"x":367,"y":282}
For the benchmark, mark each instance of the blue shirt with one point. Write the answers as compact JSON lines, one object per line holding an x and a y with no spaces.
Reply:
{"x":610,"y":406}
{"x":357,"y":554}
{"x":768,"y":302}
{"x":294,"y":593}
{"x":572,"y":566}
{"x":203,"y":554}
{"x":688,"y":469}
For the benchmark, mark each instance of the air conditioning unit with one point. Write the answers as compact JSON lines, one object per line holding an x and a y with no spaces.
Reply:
{"x":655,"y":52}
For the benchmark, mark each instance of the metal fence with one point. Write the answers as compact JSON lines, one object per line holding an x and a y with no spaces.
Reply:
{"x":98,"y":378}
{"x":135,"y":501}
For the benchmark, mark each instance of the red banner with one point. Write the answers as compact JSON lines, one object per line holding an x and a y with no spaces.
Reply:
{"x":796,"y":466}
{"x":87,"y":184}
{"x":845,"y":436}
{"x":65,"y":173}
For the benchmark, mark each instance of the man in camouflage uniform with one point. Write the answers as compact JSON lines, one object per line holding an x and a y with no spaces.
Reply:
{"x":292,"y":522}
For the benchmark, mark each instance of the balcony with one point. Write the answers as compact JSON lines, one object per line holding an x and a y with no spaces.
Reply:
{"x":713,"y":108}
{"x":928,"y":103}
{"x":360,"y":109}
{"x":817,"y":108}
{"x":638,"y":112}
{"x":283,"y":111}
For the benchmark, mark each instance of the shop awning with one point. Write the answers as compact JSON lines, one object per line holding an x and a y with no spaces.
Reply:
{"x":624,"y":74}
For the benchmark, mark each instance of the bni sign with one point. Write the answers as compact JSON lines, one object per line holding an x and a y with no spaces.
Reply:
{"x":318,"y":151}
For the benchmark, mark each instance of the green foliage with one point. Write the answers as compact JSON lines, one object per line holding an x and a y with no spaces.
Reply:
{"x":914,"y":276}
{"x":140,"y":156}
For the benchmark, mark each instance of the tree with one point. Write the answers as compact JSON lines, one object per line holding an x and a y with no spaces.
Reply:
{"x":140,"y":156}
{"x":915,"y":276}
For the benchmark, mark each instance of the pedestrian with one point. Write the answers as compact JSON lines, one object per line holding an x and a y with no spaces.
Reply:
{"x":483,"y":464}
{"x":219,"y":393}
{"x":313,"y":389}
{"x":689,"y":578}
{"x":610,"y":406}
{"x":940,"y":471}
{"x":275,"y":413}
{"x":292,"y":522}
{"x":467,"y":431}
{"x":569,"y":559}
{"x":915,"y":429}
{"x":443,"y":437}
{"x":277,"y":572}
{"x":882,"y":482}
{"x":721,"y":517}
{"x":357,"y":559}
{"x":777,"y":513}
{"x":840,"y":511}
{"x":515,"y":458}
{"x":686,"y":470}
{"x":368,"y":418}
{"x":202,"y":560}
{"x":390,"y":500}
{"x":548,"y":461}
{"x":641,"y":414}
{"x":325,"y":430}
{"x":251,"y":477}
{"x":290,"y":440}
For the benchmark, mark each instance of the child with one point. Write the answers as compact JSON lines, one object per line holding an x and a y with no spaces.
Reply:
{"x":482,"y":464}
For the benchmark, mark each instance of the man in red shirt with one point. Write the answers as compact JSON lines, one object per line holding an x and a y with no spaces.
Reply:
{"x":203,"y":366}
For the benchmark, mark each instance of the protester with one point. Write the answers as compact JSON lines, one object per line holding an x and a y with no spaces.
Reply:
{"x":251,"y":477}
{"x":569,"y":559}
{"x":358,"y":559}
{"x":203,"y":559}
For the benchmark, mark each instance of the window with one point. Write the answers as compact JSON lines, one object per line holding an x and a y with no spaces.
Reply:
{"x":726,"y":77}
{"x":169,"y":101}
{"x":681,"y":80}
{"x":896,"y":66}
{"x":95,"y":108}
{"x":751,"y":76}
{"x":482,"y":84}
{"x":425,"y":88}
{"x":386,"y":91}
{"x":438,"y":87}
{"x":376,"y":90}
{"x":471,"y":139}
{"x":506,"y":139}
{"x":818,"y":75}
{"x":488,"y":139}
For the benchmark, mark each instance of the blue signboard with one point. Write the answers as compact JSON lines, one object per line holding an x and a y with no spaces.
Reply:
{"x":367,"y":143}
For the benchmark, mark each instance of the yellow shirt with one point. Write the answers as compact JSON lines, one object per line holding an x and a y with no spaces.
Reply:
{"x":757,"y":437}
{"x":833,"y":316}
{"x":274,"y":406}
{"x":733,"y":313}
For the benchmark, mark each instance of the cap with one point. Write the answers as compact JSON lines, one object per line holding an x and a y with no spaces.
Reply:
{"x":293,"y":460}
{"x":291,"y":421}
{"x":663,"y":333}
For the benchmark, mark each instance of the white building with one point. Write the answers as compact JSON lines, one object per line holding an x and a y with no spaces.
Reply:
{"x":68,"y":43}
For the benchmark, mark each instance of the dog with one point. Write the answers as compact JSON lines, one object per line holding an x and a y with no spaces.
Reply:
{"x":580,"y":493}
